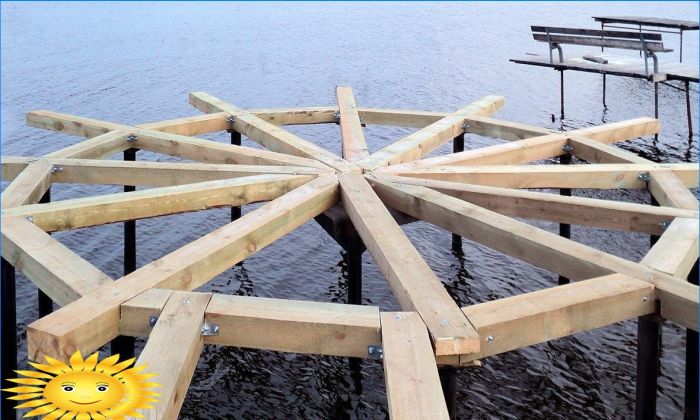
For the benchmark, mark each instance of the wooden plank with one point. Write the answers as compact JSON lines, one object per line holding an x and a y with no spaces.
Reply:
{"x":676,"y":251}
{"x":604,"y":176}
{"x":427,"y":139}
{"x":536,"y":148}
{"x":354,"y":144}
{"x":151,"y":174}
{"x":93,"y":211}
{"x":296,"y":116}
{"x":531,"y":318}
{"x":64,"y":331}
{"x":70,"y":124}
{"x":181,"y":323}
{"x":596,"y":152}
{"x":535,"y":246}
{"x":54,"y":268}
{"x":649,"y":36}
{"x":294,"y":326}
{"x":190,"y":126}
{"x":98,"y":147}
{"x":136,"y":312}
{"x":414,"y":284}
{"x":12,"y":166}
{"x":504,"y":130}
{"x":269,"y":135}
{"x":631,"y":217}
{"x":413,"y":388}
{"x":401,"y":117}
{"x":602,"y":42}
{"x":29,"y":186}
{"x":670,"y":190}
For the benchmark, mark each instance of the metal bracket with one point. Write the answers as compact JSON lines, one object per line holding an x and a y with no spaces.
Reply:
{"x":568,"y":148}
{"x":465,"y":126}
{"x":210,"y":329}
{"x":230,"y":120}
{"x":56,"y":169}
{"x":152,"y":320}
{"x":644,"y":176}
{"x":665,"y":224}
{"x":375,"y":352}
{"x":336,"y":115}
{"x":132,"y":138}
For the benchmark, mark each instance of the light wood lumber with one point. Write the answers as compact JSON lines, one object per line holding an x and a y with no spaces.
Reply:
{"x":98,"y":147}
{"x":676,"y":251}
{"x":29,"y":186}
{"x":354,"y":144}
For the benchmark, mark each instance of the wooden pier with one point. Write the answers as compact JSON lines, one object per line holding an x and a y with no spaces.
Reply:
{"x":360,"y":198}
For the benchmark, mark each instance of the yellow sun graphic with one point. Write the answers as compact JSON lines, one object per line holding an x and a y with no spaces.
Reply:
{"x":86,"y":389}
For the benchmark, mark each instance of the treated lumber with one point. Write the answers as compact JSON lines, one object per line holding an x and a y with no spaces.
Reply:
{"x":354,"y":143}
{"x":150,"y":174}
{"x":28,"y":186}
{"x":535,"y":246}
{"x":190,"y":126}
{"x":400,"y":117}
{"x":294,"y":326}
{"x":596,"y":152}
{"x":670,"y":190}
{"x":136,"y":312}
{"x":99,"y":210}
{"x":98,"y":147}
{"x":536,"y":148}
{"x":171,"y":144}
{"x":413,"y":283}
{"x":66,"y":330}
{"x":429,"y":138}
{"x":413,"y":388}
{"x":601,"y":176}
{"x":269,"y":135}
{"x":519,"y":321}
{"x":12,"y":166}
{"x":296,"y":116}
{"x":55,"y":269}
{"x":631,"y":217}
{"x":676,"y":251}
{"x":181,"y":323}
{"x":504,"y":130}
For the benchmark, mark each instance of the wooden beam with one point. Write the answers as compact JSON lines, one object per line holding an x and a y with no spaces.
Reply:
{"x":519,"y":321}
{"x":98,"y":147}
{"x":296,"y":116}
{"x":605,"y":214}
{"x":401,"y":117}
{"x":413,"y":386}
{"x":70,"y":124}
{"x":595,"y":152}
{"x":414,"y":284}
{"x":536,"y":148}
{"x":676,"y":251}
{"x":99,"y":210}
{"x":670,"y":190}
{"x":427,"y":139}
{"x":504,"y":130}
{"x":604,"y":176}
{"x":12,"y":166}
{"x":269,"y":135}
{"x":533,"y":245}
{"x":54,"y":268}
{"x":181,"y":323}
{"x":29,"y":186}
{"x":64,"y":331}
{"x":354,"y":144}
{"x":150,"y":174}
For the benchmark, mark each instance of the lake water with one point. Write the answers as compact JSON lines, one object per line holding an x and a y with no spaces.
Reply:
{"x":135,"y":63}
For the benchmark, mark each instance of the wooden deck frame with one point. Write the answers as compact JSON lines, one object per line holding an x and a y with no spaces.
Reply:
{"x":304,"y":181}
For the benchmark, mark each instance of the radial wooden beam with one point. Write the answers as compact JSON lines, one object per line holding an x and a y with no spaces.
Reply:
{"x":414,"y":284}
{"x":534,"y":245}
{"x":54,"y":268}
{"x":557,"y":176}
{"x":354,"y":144}
{"x":670,"y":190}
{"x":676,"y":251}
{"x":64,"y":331}
{"x":99,"y":210}
{"x":181,"y":322}
{"x":595,"y":152}
{"x":98,"y":147}
{"x":143,"y":173}
{"x":70,"y":124}
{"x":412,"y":383}
{"x":536,"y":148}
{"x":427,"y":139}
{"x":29,"y":186}
{"x":269,"y":135}
{"x":605,"y":214}
{"x":518,"y":321}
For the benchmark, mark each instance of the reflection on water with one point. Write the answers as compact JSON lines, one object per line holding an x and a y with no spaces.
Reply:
{"x":134,"y":63}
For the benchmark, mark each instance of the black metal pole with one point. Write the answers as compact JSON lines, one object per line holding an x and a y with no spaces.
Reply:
{"x":691,"y":363}
{"x":9,"y":335}
{"x":448,"y":380}
{"x":604,"y":104}
{"x":45,"y":302}
{"x":565,"y":228}
{"x":457,"y":146}
{"x":354,"y":261}
{"x":562,"y":93}
{"x":123,"y":345}
{"x":688,"y":110}
{"x":656,"y":107}
{"x":236,"y":141}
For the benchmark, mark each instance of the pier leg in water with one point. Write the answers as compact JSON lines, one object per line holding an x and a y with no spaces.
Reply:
{"x":656,"y":107}
{"x":45,"y":302}
{"x":236,"y":141}
{"x":354,"y":261}
{"x":9,"y":335}
{"x":564,"y":228}
{"x":648,"y":353}
{"x":604,"y":104}
{"x":688,"y":111}
{"x":691,"y":363}
{"x":561,"y":73}
{"x":123,"y":345}
{"x":457,"y":146}
{"x":448,"y":380}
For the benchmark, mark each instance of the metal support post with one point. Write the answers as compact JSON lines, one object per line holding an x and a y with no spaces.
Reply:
{"x":45,"y":302}
{"x":457,"y":146}
{"x":562,"y":93}
{"x":448,"y":380}
{"x":688,"y":110}
{"x":236,"y":141}
{"x":354,"y":263}
{"x":691,"y":363}
{"x":565,"y":228}
{"x":9,"y":335}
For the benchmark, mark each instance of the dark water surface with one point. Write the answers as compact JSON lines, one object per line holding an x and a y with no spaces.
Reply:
{"x":135,"y":63}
